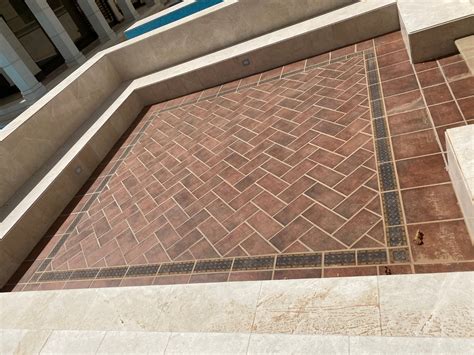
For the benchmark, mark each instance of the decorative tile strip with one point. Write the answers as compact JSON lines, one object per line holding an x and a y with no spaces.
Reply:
{"x":213,"y":265}
{"x":116,"y":272}
{"x":387,"y":177}
{"x":176,"y":268}
{"x":339,"y":258}
{"x":368,"y":257}
{"x":84,"y":274}
{"x":396,"y":236}
{"x":55,"y":276}
{"x":142,"y":270}
{"x":265,"y":262}
{"x":401,"y":255}
{"x":391,"y":204}
{"x":391,"y":208}
{"x":299,"y":260}
{"x":382,"y":147}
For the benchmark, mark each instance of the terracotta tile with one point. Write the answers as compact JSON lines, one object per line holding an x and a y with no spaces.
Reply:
{"x":446,"y":267}
{"x":272,"y":184}
{"x":445,"y":242}
{"x":355,"y":202}
{"x":353,"y":161}
{"x":214,"y":277}
{"x":256,"y":245}
{"x":392,"y":58}
{"x":463,"y":88}
{"x":456,"y":70}
{"x":310,"y":273}
{"x":427,"y":170}
{"x":268,"y":203}
{"x":183,"y":244}
{"x":317,"y":59}
{"x":430,"y":204}
{"x":240,"y":216}
{"x":105,"y":283}
{"x":450,"y":59}
{"x":356,"y":227}
{"x":326,"y":158}
{"x":176,"y":216}
{"x":415,"y":144}
{"x":396,"y":71}
{"x":390,"y":47}
{"x":264,"y":224}
{"x":323,"y":218}
{"x":430,"y":77}
{"x":296,"y":189}
{"x":350,"y":271}
{"x":290,"y":233}
{"x":234,"y":238}
{"x":445,"y":113}
{"x":440,"y":132}
{"x":419,"y":67}
{"x":409,"y":122}
{"x":324,"y":195}
{"x":437,"y":94}
{"x":294,"y":209}
{"x":77,"y":284}
{"x":137,"y":281}
{"x":467,"y":107}
{"x":354,"y":180}
{"x":250,"y":275}
{"x":387,"y":38}
{"x":394,"y":269}
{"x":408,"y":101}
{"x":326,"y":176}
{"x":399,"y":86}
{"x":172,"y":279}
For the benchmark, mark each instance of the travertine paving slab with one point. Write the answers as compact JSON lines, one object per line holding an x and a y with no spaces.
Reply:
{"x":134,"y":342}
{"x":215,"y":343}
{"x":73,"y":342}
{"x":396,"y":305}
{"x":401,"y":345}
{"x":297,"y":344}
{"x":337,"y":306}
{"x":427,"y":305}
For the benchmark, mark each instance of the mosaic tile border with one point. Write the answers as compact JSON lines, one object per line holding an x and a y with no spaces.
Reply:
{"x":391,"y":200}
{"x":269,"y":263}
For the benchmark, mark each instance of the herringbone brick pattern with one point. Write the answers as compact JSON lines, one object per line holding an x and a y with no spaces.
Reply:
{"x":275,"y":176}
{"x":280,"y":167}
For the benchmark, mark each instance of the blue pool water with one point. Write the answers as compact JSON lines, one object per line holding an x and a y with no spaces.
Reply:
{"x":176,"y":15}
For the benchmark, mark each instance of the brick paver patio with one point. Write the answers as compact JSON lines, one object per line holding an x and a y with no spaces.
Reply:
{"x":325,"y":167}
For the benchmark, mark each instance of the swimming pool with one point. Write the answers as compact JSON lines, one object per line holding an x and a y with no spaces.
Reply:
{"x":156,"y":21}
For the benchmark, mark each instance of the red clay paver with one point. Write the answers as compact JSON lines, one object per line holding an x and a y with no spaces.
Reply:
{"x":259,"y":168}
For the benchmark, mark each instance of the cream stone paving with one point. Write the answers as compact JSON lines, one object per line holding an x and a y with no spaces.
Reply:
{"x":395,"y":305}
{"x":323,"y":306}
{"x":427,"y":305}
{"x":133,"y":342}
{"x":297,"y":344}
{"x":103,"y":342}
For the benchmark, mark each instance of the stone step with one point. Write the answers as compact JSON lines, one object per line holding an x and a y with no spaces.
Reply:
{"x":419,"y":305}
{"x":430,"y":28}
{"x":466,"y":48}
{"x":129,"y":342}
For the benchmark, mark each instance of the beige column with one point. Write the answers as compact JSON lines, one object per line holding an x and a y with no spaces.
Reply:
{"x":17,"y":71}
{"x":56,"y":32}
{"x":97,"y":20}
{"x":128,"y":10}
